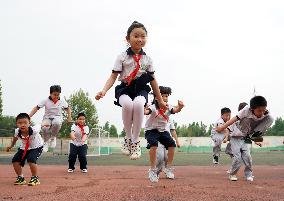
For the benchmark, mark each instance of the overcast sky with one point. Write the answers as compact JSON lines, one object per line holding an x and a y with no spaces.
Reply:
{"x":212,"y":53}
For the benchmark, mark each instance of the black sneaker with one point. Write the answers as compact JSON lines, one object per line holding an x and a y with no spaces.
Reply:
{"x":215,"y":159}
{"x":20,"y":181}
{"x":257,"y":137}
{"x":34,"y":181}
{"x":247,"y":140}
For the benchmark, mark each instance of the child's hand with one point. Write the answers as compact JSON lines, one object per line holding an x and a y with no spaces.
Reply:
{"x":219,"y":129}
{"x":180,"y":104}
{"x":69,"y":121}
{"x":258,"y":144}
{"x":178,"y":144}
{"x":225,"y":140}
{"x":73,"y":138}
{"x":8,"y":148}
{"x":100,"y":95}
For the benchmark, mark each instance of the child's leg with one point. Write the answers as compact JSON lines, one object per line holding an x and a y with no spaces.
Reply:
{"x":45,"y":129}
{"x":247,"y":160}
{"x":127,"y":114}
{"x":236,"y":144}
{"x":171,"y":153}
{"x":82,"y":155}
{"x":72,"y":156}
{"x":18,"y":168}
{"x":33,"y":168}
{"x":138,"y":116}
{"x":160,"y":164}
{"x":153,"y":157}
{"x":55,"y":127}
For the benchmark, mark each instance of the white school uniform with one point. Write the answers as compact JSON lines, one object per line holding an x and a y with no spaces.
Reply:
{"x":35,"y":139}
{"x":78,"y":134}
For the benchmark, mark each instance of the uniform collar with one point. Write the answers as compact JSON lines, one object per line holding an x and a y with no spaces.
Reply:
{"x":30,"y":132}
{"x":51,"y":98}
{"x":130,"y":52}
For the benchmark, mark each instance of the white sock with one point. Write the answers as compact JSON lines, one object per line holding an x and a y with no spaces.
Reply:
{"x":138,"y":116}
{"x":127,"y":114}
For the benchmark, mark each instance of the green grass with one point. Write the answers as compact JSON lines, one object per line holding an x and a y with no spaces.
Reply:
{"x":181,"y":158}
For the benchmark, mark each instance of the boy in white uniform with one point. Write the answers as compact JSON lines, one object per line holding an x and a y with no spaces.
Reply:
{"x":78,"y":145}
{"x":30,"y":149}
{"x":156,"y":131}
{"x":52,"y":119}
{"x":254,"y":120}
{"x":219,"y":137}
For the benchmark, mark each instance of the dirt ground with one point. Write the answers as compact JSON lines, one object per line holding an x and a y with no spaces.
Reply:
{"x":131,"y":183}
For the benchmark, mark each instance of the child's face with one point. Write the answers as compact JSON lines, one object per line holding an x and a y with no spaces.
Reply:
{"x":259,"y":111}
{"x":55,"y":95}
{"x":81,"y":120}
{"x":165,"y":97}
{"x":137,"y":39}
{"x":226,"y":116}
{"x":23,"y":124}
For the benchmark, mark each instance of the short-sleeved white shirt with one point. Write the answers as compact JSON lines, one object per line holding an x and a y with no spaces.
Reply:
{"x":125,"y":64}
{"x":156,"y":121}
{"x":78,"y":134}
{"x":53,"y":110}
{"x":219,"y":122}
{"x":35,"y":139}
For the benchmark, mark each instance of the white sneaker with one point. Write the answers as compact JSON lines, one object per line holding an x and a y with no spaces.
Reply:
{"x":45,"y":147}
{"x":249,"y":178}
{"x":84,"y":171}
{"x":126,"y":147}
{"x":135,"y":151}
{"x":169,"y":172}
{"x":70,"y":170}
{"x":53,"y":142}
{"x":228,"y":172}
{"x":233,"y":178}
{"x":153,"y":175}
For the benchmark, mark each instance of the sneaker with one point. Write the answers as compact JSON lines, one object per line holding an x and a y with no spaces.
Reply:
{"x":70,"y":170}
{"x":20,"y":181}
{"x":215,"y":160}
{"x":126,"y":147}
{"x":153,"y":175}
{"x":34,"y":181}
{"x":233,"y":177}
{"x":249,"y":178}
{"x":45,"y":147}
{"x":84,"y":171}
{"x":52,"y":142}
{"x":228,"y":172}
{"x":135,"y":151}
{"x":169,"y":172}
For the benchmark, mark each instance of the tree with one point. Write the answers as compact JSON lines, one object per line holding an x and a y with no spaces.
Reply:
{"x":80,"y":102}
{"x":106,"y":127}
{"x":113,"y":131}
{"x":1,"y":101}
{"x":7,"y":126}
{"x":277,"y":129}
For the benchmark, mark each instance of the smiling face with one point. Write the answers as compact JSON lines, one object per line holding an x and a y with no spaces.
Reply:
{"x":81,"y":120}
{"x":137,"y":39}
{"x":23,"y":124}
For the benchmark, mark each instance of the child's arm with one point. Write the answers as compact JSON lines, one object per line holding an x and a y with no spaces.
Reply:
{"x":221,"y":128}
{"x":69,"y":117}
{"x":72,"y":135}
{"x":156,"y":90}
{"x":34,"y":110}
{"x":109,"y":83}
{"x":226,"y":137}
{"x":178,"y":108}
{"x":174,"y":134}
{"x":12,"y":144}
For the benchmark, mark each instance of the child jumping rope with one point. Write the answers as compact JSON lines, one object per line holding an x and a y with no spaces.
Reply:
{"x":135,"y":70}
{"x":52,"y":119}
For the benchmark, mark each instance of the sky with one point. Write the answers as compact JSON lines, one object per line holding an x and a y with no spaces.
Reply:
{"x":211,"y":53}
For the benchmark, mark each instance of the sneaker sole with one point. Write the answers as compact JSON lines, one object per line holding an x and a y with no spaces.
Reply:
{"x":34,"y":184}
{"x":18,"y":184}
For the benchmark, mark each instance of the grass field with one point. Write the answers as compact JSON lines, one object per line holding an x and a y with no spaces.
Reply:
{"x":181,"y":159}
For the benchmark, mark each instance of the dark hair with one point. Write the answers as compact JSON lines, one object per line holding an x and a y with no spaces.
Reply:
{"x":55,"y":88}
{"x":225,"y":110}
{"x":258,"y":101}
{"x":81,"y":114}
{"x":134,"y":25}
{"x":23,"y":116}
{"x":165,"y":90}
{"x":242,"y":105}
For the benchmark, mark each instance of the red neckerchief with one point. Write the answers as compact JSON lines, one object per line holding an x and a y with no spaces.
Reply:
{"x":133,"y":74}
{"x":55,"y":100}
{"x":83,"y":133}
{"x":27,"y":139}
{"x":162,"y":113}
